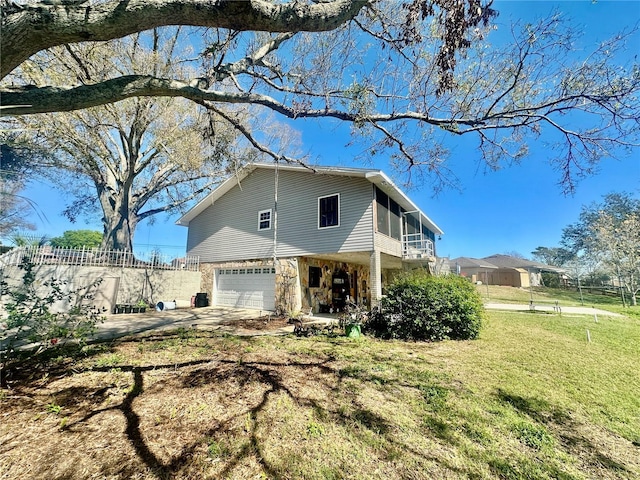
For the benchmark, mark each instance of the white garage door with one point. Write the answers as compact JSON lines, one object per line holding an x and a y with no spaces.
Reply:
{"x":246,"y":288}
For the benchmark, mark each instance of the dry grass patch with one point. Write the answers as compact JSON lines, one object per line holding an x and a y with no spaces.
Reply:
{"x":196,"y":405}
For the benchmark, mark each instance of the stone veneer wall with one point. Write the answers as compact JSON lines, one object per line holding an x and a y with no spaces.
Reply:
{"x":292,"y":281}
{"x":288,"y":286}
{"x":312,"y":297}
{"x":206,"y":279}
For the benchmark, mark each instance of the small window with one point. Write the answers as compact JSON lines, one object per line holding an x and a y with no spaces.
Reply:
{"x":329,"y":211}
{"x":314,"y":277}
{"x":264,"y":220}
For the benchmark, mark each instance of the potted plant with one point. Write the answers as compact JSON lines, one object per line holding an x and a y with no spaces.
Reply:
{"x":141,"y":306}
{"x":127,"y":308}
{"x":352,"y":320}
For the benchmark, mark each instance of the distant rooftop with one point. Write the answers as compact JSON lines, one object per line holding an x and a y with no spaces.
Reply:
{"x":504,"y":261}
{"x":466,"y":262}
{"x":507,"y":261}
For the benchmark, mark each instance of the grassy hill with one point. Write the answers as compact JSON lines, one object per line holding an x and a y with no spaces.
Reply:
{"x":531,"y":398}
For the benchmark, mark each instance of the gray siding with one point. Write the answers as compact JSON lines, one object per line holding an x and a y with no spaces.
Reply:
{"x":228,"y":229}
{"x":388,"y":245}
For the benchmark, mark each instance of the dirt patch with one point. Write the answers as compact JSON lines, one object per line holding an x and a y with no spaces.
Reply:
{"x":260,"y":323}
{"x":191,"y":406}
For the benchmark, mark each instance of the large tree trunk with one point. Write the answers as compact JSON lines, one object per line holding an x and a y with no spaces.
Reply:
{"x":118,"y":233}
{"x":119,"y":221}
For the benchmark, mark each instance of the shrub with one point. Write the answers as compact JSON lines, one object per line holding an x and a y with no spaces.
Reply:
{"x":423,"y":307}
{"x":31,"y":327}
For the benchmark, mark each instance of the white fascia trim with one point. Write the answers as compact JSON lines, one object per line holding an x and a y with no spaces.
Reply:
{"x":386,"y":184}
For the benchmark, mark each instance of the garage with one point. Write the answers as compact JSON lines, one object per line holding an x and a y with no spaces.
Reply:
{"x":246,"y":288}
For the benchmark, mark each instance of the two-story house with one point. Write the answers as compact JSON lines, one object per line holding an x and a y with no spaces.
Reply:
{"x":306,"y":238}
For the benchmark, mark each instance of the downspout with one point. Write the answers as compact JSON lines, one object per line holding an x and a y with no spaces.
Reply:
{"x":275,"y":215}
{"x":275,"y":235}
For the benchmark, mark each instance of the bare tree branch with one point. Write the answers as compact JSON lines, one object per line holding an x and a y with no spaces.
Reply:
{"x":248,"y":135}
{"x":30,"y":28}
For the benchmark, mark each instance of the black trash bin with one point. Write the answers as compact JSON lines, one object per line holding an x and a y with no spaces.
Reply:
{"x":202,"y":299}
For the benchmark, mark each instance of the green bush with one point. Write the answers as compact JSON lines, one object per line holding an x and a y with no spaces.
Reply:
{"x":422,"y":307}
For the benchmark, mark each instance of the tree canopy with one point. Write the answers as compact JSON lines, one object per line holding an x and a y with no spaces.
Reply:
{"x":138,"y":157}
{"x":398,"y":73}
{"x":608,"y":232}
{"x":77,"y":238}
{"x":17,"y":158}
{"x":556,"y":256}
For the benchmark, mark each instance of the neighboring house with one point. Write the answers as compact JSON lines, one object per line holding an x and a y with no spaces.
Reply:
{"x":476,"y":269}
{"x":504,"y":270}
{"x":306,"y":239}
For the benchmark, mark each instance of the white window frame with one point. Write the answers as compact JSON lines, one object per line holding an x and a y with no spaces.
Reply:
{"x":339,"y":215}
{"x":260,"y":220}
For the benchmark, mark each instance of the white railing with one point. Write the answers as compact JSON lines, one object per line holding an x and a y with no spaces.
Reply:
{"x":416,"y":246}
{"x":47,"y":255}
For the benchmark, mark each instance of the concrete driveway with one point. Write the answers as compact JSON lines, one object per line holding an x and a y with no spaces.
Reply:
{"x":221,"y":319}
{"x":550,"y":308}
{"x":206,"y":318}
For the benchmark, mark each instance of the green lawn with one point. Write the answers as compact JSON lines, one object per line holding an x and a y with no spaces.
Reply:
{"x":530,"y":399}
{"x":565,"y":297}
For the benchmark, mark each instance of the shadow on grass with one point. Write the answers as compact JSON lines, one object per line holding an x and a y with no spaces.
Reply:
{"x":536,"y":408}
{"x":25,"y":366}
{"x":344,"y":407}
{"x":564,"y":427}
{"x":217,"y":371}
{"x":270,"y":377}
{"x":510,"y":469}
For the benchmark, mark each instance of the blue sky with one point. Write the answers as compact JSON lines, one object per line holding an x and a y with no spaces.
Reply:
{"x":514,"y":209}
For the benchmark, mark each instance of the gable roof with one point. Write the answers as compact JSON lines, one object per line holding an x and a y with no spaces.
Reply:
{"x":507,"y":261}
{"x":466,"y":262}
{"x":376,"y":177}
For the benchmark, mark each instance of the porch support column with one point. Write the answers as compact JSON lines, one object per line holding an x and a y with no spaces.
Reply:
{"x":375,"y":277}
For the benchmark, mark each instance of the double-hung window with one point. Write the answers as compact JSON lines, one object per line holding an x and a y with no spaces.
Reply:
{"x":329,"y":211}
{"x":264,"y":220}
